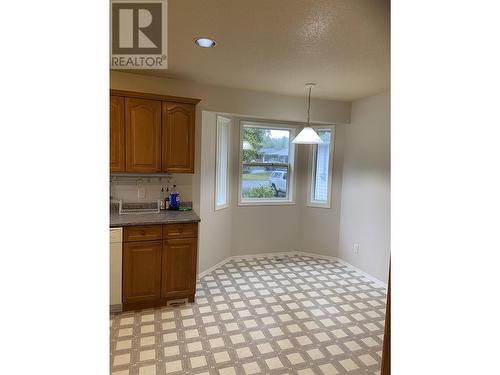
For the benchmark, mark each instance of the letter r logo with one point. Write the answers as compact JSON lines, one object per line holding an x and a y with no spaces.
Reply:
{"x":138,"y":33}
{"x":136,"y":28}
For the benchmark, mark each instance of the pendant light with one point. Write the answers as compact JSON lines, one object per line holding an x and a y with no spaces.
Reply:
{"x":308,"y":135}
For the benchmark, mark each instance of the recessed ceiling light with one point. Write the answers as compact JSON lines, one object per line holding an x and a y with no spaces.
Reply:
{"x":205,"y":42}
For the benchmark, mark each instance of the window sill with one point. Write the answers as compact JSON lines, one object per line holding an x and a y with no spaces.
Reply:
{"x":221,"y":207}
{"x":266,"y":203}
{"x":318,"y":205}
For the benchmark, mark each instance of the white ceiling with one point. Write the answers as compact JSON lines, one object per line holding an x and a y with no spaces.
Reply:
{"x":278,"y":45}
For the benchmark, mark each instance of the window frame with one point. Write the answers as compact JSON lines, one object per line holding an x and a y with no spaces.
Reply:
{"x":311,"y":202}
{"x":227,"y":122}
{"x":290,"y":200}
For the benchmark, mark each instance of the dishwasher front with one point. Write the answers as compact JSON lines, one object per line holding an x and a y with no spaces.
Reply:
{"x":115,"y":269}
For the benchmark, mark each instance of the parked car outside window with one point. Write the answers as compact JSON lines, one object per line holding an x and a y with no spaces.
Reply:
{"x":277,"y":180}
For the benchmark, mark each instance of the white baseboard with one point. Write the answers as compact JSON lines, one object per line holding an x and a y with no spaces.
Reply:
{"x":263,"y":255}
{"x":292,"y":253}
{"x":345,"y":263}
{"x":365,"y":274}
{"x":316,"y":255}
{"x":240,"y":257}
{"x":213,"y":268}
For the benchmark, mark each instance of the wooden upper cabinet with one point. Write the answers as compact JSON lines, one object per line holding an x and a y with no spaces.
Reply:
{"x":117,"y":133}
{"x":142,"y":135}
{"x":151,"y":133}
{"x":178,"y":127}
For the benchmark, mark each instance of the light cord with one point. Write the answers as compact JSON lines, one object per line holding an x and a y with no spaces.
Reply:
{"x":309,"y":105}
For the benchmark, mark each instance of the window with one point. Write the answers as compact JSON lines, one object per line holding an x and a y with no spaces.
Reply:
{"x":266,"y":164}
{"x":320,"y":171}
{"x":222,"y":163}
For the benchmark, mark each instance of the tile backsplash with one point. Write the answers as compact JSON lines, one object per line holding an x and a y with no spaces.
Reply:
{"x":127,"y":188}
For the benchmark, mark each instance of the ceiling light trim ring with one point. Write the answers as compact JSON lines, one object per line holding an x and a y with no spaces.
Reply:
{"x":205,"y":42}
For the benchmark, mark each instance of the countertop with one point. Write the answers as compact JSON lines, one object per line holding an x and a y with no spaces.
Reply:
{"x":163,"y":217}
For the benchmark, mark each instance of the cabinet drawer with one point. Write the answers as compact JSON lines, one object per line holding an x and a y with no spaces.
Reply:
{"x":142,"y":233}
{"x":180,"y":230}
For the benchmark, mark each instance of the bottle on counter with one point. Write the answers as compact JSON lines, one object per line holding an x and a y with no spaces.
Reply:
{"x":178,"y":198}
{"x":162,"y":199}
{"x":166,"y":200}
{"x":174,"y":203}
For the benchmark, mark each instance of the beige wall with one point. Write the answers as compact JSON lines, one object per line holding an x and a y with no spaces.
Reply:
{"x":365,"y":209}
{"x":237,"y":101}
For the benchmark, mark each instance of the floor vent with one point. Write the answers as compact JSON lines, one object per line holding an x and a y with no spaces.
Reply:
{"x":177,"y":302}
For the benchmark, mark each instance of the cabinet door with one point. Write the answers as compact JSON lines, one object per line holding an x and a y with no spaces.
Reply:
{"x":179,"y":268}
{"x":178,"y":127}
{"x":117,"y":134}
{"x":141,"y":273}
{"x":143,"y":135}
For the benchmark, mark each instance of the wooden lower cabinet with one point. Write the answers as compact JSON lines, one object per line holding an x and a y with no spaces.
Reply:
{"x":142,"y":272}
{"x":160,"y":270}
{"x":179,"y":268}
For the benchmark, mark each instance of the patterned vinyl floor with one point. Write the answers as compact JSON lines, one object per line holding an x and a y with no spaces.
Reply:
{"x":294,"y":315}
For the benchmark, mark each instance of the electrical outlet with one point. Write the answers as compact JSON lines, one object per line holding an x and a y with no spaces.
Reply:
{"x":356,"y":248}
{"x":141,"y":192}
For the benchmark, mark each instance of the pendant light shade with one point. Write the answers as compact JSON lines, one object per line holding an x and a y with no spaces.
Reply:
{"x":308,"y":135}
